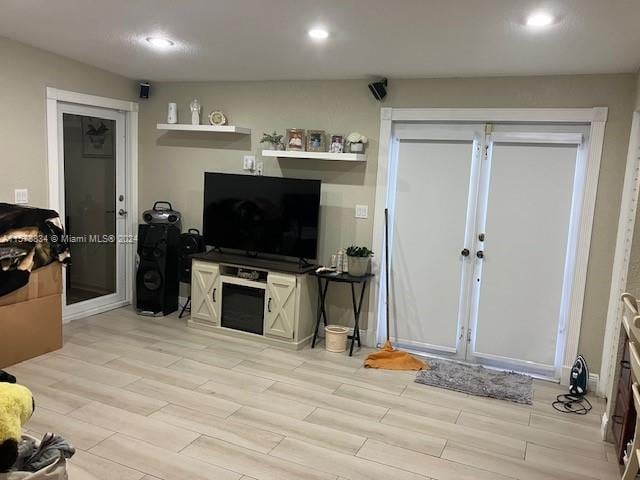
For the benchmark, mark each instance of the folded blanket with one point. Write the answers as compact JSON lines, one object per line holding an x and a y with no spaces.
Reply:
{"x":33,"y":457}
{"x":29,"y":238}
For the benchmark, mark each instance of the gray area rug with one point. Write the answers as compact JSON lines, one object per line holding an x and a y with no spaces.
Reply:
{"x":477,"y":380}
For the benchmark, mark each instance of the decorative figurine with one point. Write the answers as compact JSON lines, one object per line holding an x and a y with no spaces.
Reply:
{"x":195,"y":111}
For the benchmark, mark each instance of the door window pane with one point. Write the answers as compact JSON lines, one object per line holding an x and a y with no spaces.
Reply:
{"x":90,"y":208}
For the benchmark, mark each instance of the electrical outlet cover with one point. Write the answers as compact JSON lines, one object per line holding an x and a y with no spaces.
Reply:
{"x":249,"y":162}
{"x":21,"y":195}
{"x":362,"y":211}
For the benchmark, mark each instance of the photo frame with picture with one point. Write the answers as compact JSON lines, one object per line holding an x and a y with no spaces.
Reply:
{"x":316,"y":141}
{"x":97,"y":137}
{"x":336,"y":143}
{"x":295,"y":139}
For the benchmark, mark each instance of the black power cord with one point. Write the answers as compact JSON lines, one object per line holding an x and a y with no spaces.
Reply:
{"x":577,"y":404}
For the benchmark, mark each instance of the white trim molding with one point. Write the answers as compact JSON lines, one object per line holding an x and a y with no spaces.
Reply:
{"x":90,"y":100}
{"x":55,"y":96}
{"x":622,"y":257}
{"x":595,"y":118}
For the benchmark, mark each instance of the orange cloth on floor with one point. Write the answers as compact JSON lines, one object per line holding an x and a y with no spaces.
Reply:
{"x":388,"y":358}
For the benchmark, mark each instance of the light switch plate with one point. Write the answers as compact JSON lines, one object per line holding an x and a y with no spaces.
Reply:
{"x":21,"y":195}
{"x":362,"y":211}
{"x":249,"y":162}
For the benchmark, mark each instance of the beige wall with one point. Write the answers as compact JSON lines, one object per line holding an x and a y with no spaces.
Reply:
{"x":24,"y":76}
{"x":172,"y":165}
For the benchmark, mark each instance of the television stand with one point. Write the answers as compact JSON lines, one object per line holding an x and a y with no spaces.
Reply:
{"x":276,"y":305}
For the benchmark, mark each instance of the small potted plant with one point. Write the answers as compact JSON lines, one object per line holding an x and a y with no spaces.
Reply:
{"x":356,"y":142}
{"x":272,"y":141}
{"x":359,"y":260}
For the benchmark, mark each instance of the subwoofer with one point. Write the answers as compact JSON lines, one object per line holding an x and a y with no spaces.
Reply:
{"x":157,"y":279}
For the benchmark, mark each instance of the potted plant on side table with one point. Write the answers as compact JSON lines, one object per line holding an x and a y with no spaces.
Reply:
{"x":359,"y":260}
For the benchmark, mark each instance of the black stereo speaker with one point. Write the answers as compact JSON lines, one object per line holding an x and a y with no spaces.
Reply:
{"x":157,"y":279}
{"x":190,"y":243}
{"x":379,"y":89}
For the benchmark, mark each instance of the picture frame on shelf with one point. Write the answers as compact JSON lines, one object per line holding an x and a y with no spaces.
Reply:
{"x":336,"y":143}
{"x":316,"y":141}
{"x":295,"y":139}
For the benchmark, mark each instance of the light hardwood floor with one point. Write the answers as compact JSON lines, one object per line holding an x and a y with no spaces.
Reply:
{"x":147,"y":398}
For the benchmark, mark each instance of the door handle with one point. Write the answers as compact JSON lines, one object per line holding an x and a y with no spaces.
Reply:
{"x":465,"y":252}
{"x":214,"y":294}
{"x":480,"y":254}
{"x":269,"y":305}
{"x":122,"y":212}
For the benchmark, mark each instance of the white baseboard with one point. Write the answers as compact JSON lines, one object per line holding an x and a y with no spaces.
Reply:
{"x":604,"y":425}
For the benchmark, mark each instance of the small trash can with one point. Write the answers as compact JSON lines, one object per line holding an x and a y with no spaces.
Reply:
{"x":335,"y":338}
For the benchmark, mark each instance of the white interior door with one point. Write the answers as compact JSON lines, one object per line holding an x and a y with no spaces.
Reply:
{"x":525,"y":213}
{"x":436,"y":172}
{"x":94,"y":207}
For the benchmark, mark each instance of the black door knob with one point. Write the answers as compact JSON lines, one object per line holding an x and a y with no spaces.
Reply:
{"x":480,"y":254}
{"x":465,"y":252}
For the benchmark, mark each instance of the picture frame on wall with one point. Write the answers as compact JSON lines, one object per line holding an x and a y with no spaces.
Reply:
{"x":97,"y":137}
{"x":295,"y":139}
{"x":336,"y":143}
{"x":316,"y":141}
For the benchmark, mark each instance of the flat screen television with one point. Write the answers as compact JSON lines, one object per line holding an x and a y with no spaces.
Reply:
{"x":261,"y":215}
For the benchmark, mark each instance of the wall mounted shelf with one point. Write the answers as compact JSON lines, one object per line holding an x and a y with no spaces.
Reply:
{"x":185,"y":127}
{"x":348,"y":157}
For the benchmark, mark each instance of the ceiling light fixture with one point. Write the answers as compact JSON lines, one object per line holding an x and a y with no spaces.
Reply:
{"x":160,"y":42}
{"x":318,"y":34}
{"x":540,"y":19}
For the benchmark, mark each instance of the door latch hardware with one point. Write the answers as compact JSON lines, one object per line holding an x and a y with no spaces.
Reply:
{"x":461,"y":334}
{"x":465,"y":252}
{"x":469,"y":336}
{"x":481,"y":237}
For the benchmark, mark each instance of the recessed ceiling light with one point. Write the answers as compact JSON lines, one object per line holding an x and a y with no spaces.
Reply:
{"x":540,"y":19}
{"x":160,"y":42}
{"x":318,"y":33}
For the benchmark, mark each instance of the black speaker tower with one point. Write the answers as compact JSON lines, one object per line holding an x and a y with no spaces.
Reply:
{"x":157,"y":279}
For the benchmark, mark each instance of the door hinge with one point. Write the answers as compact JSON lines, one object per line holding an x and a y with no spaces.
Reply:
{"x":461,"y":334}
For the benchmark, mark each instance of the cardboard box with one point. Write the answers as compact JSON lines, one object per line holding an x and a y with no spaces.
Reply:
{"x":31,"y":317}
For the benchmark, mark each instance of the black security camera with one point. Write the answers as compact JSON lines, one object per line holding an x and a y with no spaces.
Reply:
{"x":379,"y":89}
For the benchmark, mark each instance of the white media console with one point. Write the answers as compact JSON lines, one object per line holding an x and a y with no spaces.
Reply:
{"x":279,"y":306}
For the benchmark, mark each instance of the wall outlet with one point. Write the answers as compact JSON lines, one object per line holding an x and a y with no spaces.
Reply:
{"x":259,"y":168}
{"x":362,"y":211}
{"x":249,"y":162}
{"x":21,"y":195}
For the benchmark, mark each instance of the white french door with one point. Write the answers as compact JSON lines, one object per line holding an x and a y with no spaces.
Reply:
{"x":484,"y":230}
{"x":94,"y":205}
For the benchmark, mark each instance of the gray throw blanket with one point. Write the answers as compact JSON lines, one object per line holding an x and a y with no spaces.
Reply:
{"x":32,"y":458}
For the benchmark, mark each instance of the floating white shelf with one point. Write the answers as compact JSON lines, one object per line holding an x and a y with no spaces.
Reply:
{"x":185,"y":127}
{"x":348,"y":157}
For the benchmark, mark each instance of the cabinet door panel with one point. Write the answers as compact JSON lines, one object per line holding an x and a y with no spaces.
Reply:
{"x":280,"y":309}
{"x":205,"y":292}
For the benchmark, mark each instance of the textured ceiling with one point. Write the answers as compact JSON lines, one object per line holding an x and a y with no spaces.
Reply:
{"x":266,"y":39}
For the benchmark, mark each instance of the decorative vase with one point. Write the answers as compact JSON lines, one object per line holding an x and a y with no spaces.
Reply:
{"x":356,"y":147}
{"x":172,"y":113}
{"x":359,"y":266}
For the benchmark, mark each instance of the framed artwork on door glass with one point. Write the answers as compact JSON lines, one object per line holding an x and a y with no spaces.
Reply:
{"x":97,"y":137}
